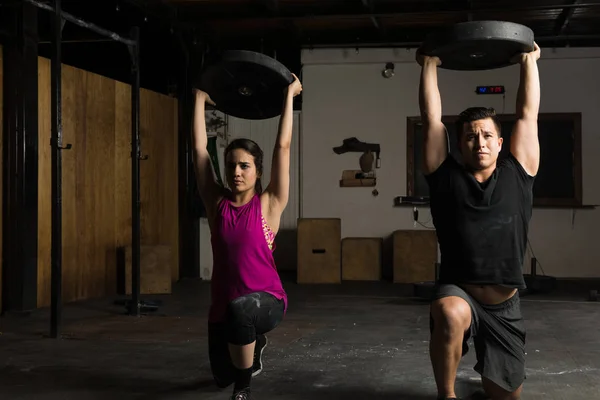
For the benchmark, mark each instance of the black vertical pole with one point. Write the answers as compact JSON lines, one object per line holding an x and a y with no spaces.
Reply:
{"x":134,"y":308}
{"x":189,"y":203}
{"x":20,"y":156}
{"x":56,"y":144}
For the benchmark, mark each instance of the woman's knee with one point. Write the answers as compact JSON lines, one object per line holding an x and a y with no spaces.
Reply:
{"x":452,"y":315}
{"x":241,"y":310}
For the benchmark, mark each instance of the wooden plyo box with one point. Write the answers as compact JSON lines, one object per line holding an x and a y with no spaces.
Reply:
{"x":361,"y":259}
{"x":155,"y":269}
{"x":319,"y":250}
{"x":415,"y":255}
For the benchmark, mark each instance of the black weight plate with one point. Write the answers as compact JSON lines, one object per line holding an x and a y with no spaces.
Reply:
{"x":246,"y":84}
{"x":479,"y":45}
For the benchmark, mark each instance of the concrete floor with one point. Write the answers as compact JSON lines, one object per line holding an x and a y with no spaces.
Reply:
{"x":351,"y":341}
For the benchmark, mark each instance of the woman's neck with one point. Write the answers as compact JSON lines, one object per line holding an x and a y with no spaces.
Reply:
{"x":242,"y":198}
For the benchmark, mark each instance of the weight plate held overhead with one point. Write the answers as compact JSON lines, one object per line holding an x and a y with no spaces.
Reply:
{"x":479,"y":45}
{"x":246,"y":84}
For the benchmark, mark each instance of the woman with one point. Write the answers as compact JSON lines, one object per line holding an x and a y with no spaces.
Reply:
{"x":248,"y":299}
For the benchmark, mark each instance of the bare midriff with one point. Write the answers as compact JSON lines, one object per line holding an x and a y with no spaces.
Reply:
{"x":490,"y":294}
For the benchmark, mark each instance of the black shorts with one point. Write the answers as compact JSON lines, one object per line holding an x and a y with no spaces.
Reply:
{"x":498,"y":333}
{"x":247,"y":316}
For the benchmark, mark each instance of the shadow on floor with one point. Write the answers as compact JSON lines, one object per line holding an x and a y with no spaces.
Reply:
{"x":45,"y":379}
{"x":65,"y":380}
{"x":298,"y":385}
{"x":295,"y":392}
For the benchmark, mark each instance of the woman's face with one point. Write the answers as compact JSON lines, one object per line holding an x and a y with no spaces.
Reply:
{"x":240,"y":171}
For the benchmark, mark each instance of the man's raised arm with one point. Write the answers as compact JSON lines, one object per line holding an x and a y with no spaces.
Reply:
{"x":524,"y":144}
{"x":435,"y":141}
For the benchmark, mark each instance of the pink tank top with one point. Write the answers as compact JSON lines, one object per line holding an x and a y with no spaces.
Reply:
{"x":243,"y":263}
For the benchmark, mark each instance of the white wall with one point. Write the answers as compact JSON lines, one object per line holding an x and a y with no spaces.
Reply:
{"x":264,"y":133}
{"x":345,"y":95}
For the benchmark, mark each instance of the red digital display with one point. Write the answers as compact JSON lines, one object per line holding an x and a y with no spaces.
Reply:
{"x":489,"y":90}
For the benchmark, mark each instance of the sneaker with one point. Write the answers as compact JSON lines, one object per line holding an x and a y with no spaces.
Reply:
{"x":261,"y":343}
{"x":243,"y":394}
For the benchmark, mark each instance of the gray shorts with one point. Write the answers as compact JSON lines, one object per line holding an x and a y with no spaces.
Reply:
{"x":498,"y":333}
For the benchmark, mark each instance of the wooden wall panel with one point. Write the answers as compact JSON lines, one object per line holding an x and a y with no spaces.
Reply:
{"x":97,"y":180}
{"x":44,"y":184}
{"x":158,"y":174}
{"x":122,"y":184}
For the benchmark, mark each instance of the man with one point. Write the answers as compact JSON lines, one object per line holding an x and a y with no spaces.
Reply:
{"x":481,"y":209}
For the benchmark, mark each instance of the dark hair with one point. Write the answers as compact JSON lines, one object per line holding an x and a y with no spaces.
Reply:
{"x":255,"y":151}
{"x":474,"y":114}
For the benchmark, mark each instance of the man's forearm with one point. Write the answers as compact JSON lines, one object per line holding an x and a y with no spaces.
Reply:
{"x":430,"y":101}
{"x":528,"y":97}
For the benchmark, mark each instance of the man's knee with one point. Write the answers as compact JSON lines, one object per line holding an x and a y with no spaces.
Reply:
{"x":451,"y":316}
{"x":495,"y":392}
{"x":516,"y":395}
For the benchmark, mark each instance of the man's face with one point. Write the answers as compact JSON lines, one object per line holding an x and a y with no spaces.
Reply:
{"x":480,"y":144}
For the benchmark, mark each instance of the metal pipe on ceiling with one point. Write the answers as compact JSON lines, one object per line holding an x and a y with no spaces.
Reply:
{"x":563,"y":19}
{"x":79,"y":22}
